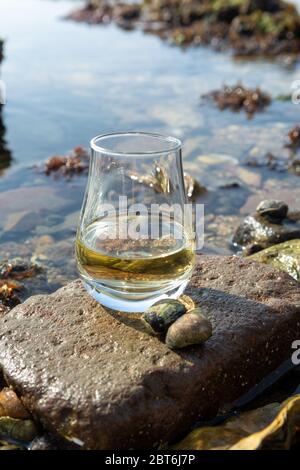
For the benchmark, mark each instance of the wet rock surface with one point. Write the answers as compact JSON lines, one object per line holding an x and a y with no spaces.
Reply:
{"x":272,"y":223}
{"x":50,"y":442}
{"x":285,"y":256}
{"x":98,"y":379}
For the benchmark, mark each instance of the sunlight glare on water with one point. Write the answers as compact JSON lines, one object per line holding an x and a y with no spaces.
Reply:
{"x":67,"y":82}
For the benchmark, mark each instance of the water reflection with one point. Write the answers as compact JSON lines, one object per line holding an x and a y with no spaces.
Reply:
{"x":84,"y":80}
{"x":5,"y":154}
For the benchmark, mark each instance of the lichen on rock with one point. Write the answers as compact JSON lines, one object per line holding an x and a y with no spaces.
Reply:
{"x":284,"y":256}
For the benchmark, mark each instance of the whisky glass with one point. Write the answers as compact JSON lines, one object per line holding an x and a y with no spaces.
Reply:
{"x":135,"y":240}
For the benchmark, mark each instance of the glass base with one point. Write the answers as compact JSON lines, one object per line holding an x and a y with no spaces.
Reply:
{"x":122,"y":304}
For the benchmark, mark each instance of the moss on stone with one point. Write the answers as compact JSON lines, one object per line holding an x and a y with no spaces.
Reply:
{"x":284,"y":256}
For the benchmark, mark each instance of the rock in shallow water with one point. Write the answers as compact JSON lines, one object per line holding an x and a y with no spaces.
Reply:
{"x":238,"y":97}
{"x":273,"y":210}
{"x":99,"y":379}
{"x":256,"y":229}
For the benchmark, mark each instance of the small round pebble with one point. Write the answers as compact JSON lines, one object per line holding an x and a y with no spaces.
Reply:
{"x":162,"y":314}
{"x":190,"y":329}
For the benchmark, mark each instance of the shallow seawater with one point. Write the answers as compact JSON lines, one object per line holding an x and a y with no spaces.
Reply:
{"x":67,"y":82}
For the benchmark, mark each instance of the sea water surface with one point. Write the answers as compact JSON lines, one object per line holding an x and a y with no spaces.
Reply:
{"x":67,"y":82}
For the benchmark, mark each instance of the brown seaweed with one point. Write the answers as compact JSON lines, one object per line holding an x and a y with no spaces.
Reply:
{"x":74,"y":163}
{"x":238,"y":97}
{"x":294,"y":138}
{"x":11,"y":272}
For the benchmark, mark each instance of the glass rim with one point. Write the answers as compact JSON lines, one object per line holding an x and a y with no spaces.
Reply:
{"x":177,"y":144}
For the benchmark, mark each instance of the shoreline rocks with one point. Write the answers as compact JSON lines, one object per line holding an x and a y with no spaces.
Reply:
{"x":284,"y":256}
{"x":96,"y":378}
{"x":11,"y":288}
{"x":272,"y":223}
{"x":247,"y":27}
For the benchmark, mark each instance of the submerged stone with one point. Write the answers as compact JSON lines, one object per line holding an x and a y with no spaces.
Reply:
{"x":96,"y":378}
{"x":285,"y":256}
{"x":256,"y":230}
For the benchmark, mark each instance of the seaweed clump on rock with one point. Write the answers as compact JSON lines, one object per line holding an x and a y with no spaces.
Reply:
{"x":11,"y":273}
{"x":238,"y":97}
{"x":249,"y":27}
{"x":293,"y":146}
{"x":75,"y":163}
{"x":104,"y":11}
